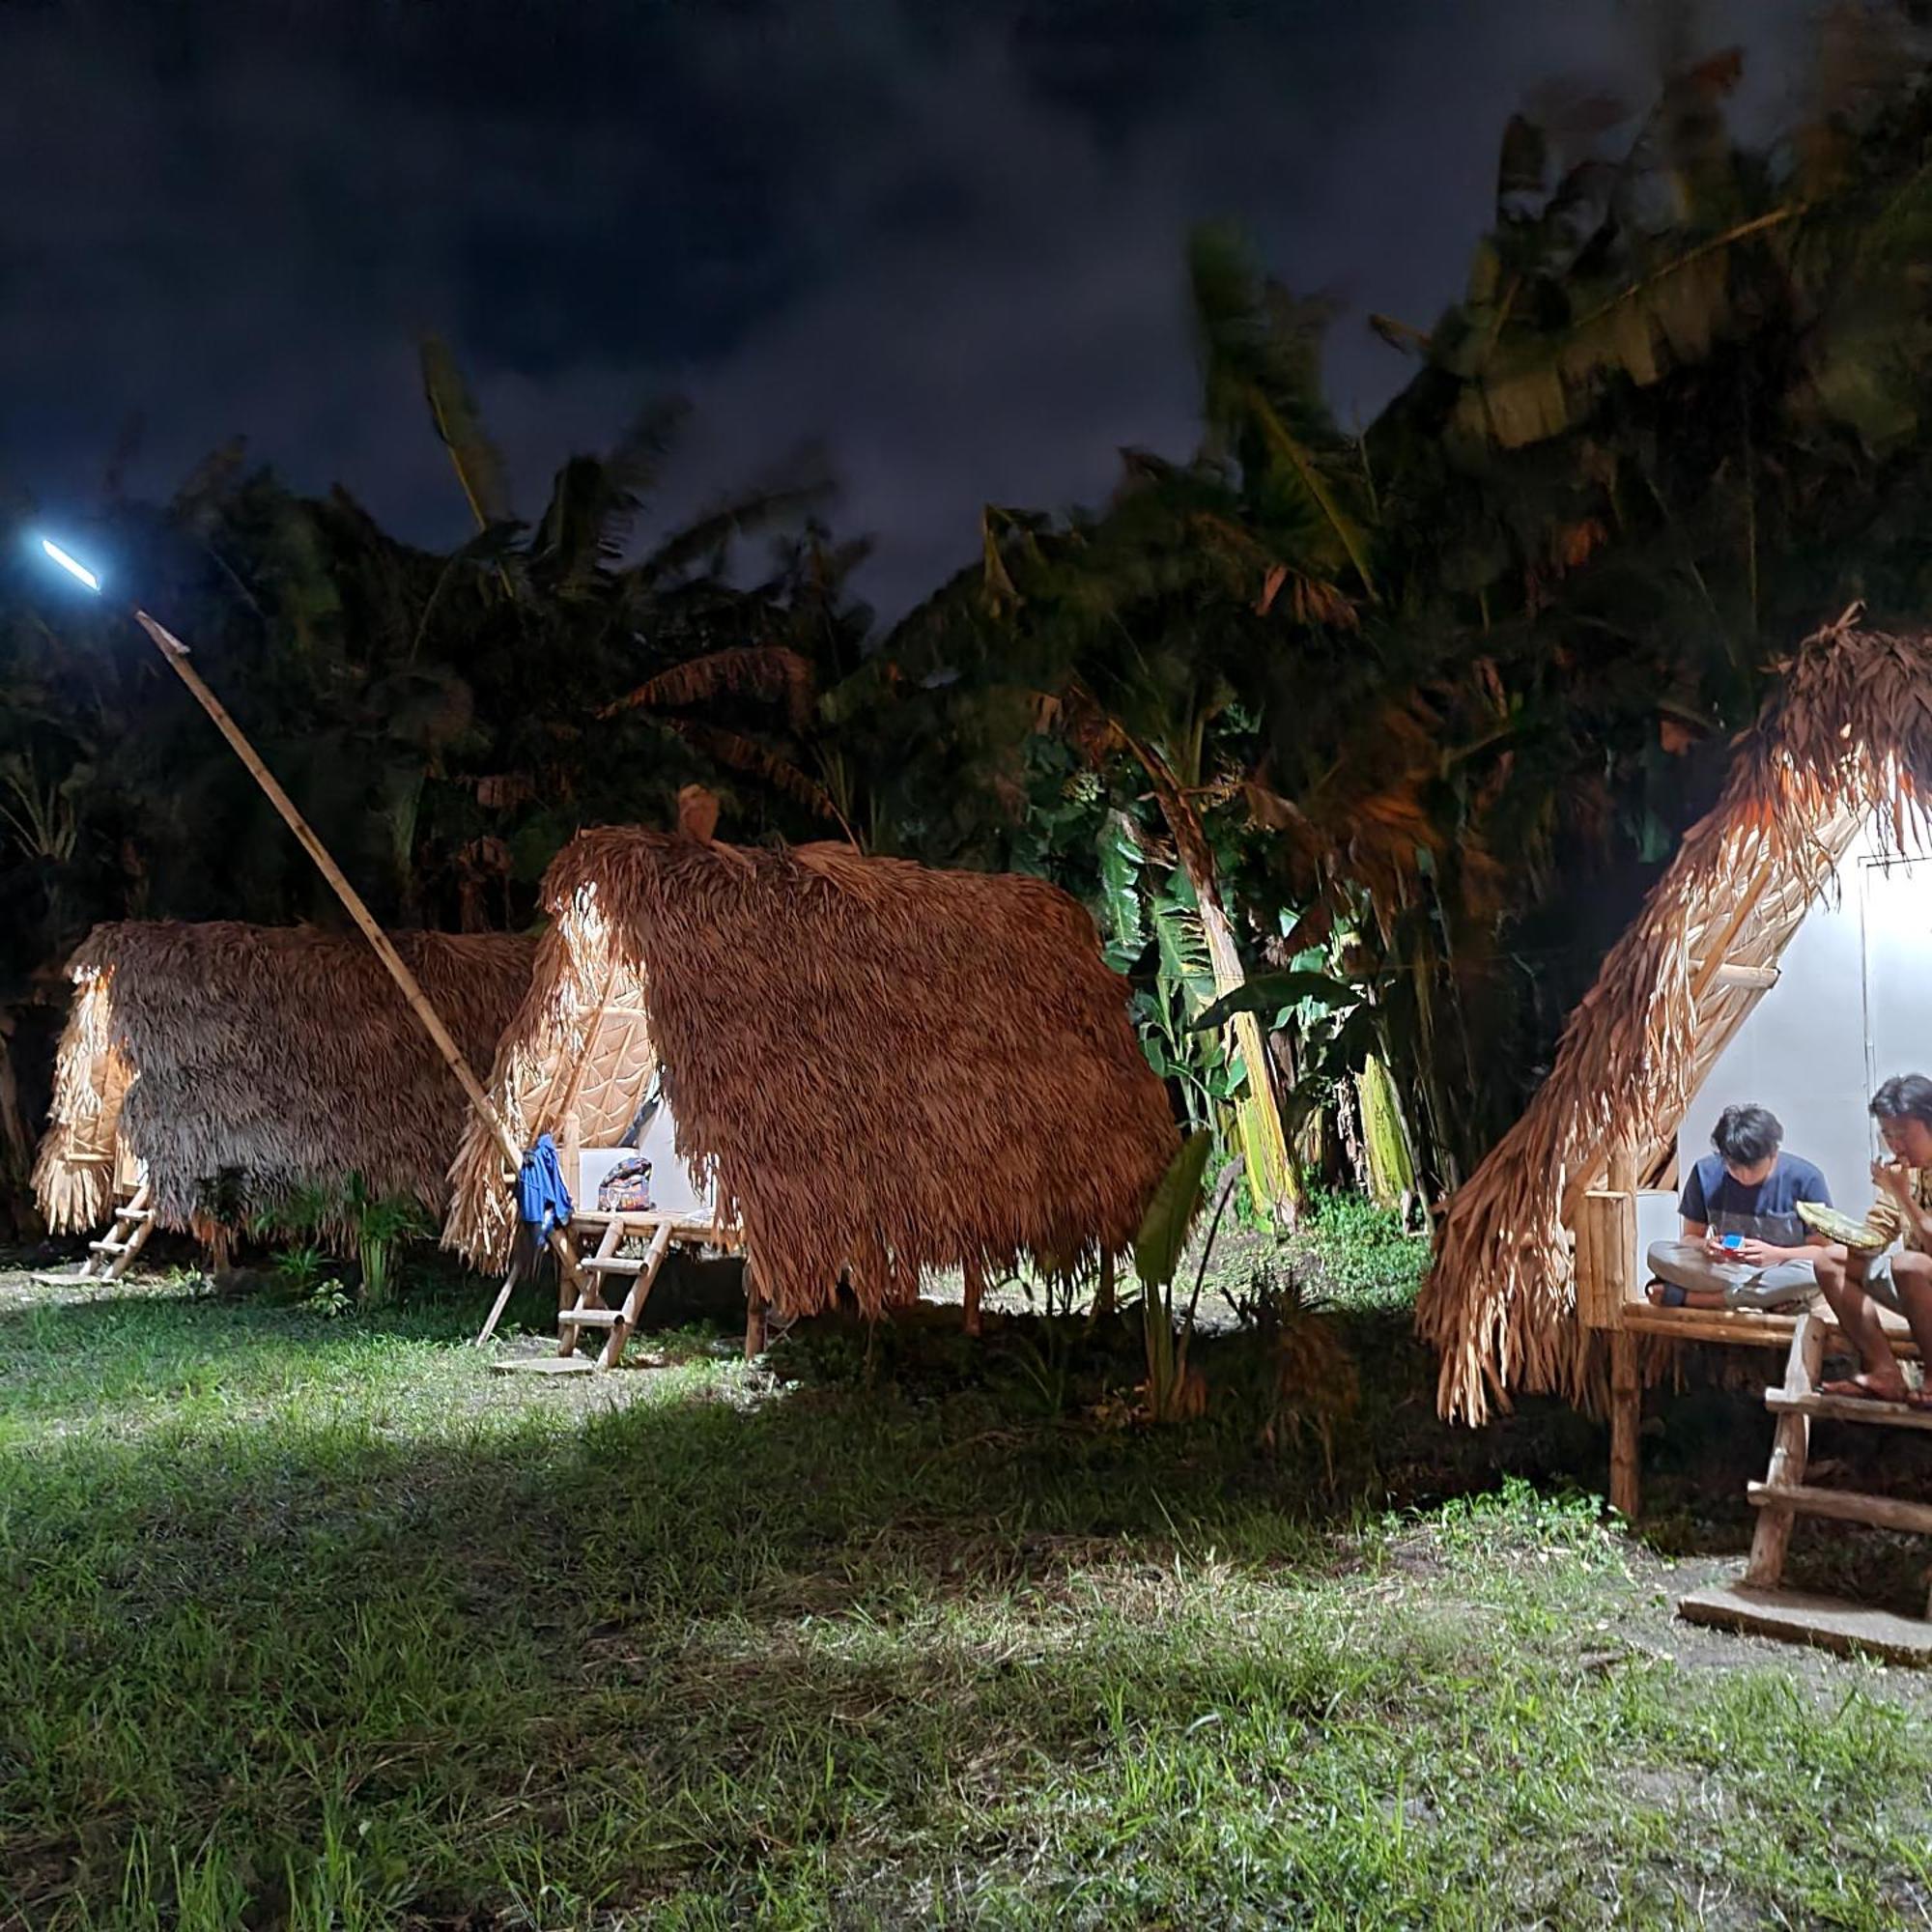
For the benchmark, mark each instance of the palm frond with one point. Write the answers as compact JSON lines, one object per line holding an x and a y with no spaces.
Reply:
{"x":711,"y":535}
{"x":479,"y":467}
{"x":740,"y":754}
{"x":772,"y":672}
{"x":638,"y":456}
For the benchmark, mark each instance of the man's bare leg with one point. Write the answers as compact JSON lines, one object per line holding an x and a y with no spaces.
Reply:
{"x":1843,"y":1285}
{"x":1911,"y":1275}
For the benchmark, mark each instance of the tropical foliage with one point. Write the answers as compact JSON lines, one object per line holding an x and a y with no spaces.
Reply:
{"x":1361,"y":745}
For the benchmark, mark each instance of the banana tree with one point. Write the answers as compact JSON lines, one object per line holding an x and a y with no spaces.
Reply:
{"x":674,"y":644}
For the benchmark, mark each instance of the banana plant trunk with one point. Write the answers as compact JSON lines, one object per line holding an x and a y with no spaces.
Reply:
{"x":1391,"y":1169}
{"x":1271,"y":1178}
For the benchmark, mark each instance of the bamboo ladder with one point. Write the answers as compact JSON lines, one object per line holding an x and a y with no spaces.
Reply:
{"x":590,"y":1311}
{"x":109,"y":1259}
{"x":1760,"y":1604}
{"x":580,"y":1301}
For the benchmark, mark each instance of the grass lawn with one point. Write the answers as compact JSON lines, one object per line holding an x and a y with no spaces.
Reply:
{"x":316,"y":1623}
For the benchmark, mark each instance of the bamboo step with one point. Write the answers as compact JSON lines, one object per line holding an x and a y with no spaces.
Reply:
{"x":135,"y":1214}
{"x":614,"y":1264}
{"x":592,"y":1317}
{"x":107,"y":1247}
{"x":1849,"y":1408}
{"x":701,"y":1227}
{"x":1796,"y":1617}
{"x":1843,"y":1506}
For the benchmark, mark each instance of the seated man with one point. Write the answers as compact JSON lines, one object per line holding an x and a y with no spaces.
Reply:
{"x":1903,"y":1282}
{"x":1748,"y":1189}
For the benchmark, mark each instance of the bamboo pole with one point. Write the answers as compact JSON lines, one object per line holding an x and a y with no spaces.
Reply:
{"x":1626,"y":1420}
{"x":1790,"y":1453}
{"x":175,"y":653}
{"x":496,"y":1307}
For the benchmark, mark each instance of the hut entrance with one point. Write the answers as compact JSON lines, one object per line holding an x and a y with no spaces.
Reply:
{"x":1823,"y":991}
{"x":580,"y":1065}
{"x":1783,"y":958}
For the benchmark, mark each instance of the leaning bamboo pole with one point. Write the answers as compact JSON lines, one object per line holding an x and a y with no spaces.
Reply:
{"x":175,"y":653}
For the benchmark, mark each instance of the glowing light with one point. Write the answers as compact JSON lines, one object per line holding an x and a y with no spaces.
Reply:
{"x":70,"y":564}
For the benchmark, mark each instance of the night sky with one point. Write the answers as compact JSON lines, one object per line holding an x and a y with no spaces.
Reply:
{"x":945,"y":241}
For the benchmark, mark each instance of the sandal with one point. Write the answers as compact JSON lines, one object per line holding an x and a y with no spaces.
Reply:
{"x":1862,"y":1388}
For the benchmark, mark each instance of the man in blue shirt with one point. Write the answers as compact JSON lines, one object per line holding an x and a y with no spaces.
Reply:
{"x":1743,"y":1244}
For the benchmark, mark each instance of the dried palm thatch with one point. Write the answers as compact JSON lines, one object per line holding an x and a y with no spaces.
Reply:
{"x":880,"y":1069}
{"x":1845,"y":737}
{"x":241,"y":1063}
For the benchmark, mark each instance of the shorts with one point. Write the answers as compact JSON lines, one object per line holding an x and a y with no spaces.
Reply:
{"x":1880,"y":1286}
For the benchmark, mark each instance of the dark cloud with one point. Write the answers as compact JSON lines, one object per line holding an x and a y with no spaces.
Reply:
{"x":944,"y":239}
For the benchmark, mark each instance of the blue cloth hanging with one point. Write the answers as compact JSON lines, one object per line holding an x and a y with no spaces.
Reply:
{"x":543,"y":1201}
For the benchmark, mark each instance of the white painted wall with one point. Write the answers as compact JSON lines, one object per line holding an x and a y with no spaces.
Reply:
{"x":672,"y":1185}
{"x":1656,"y":1220}
{"x":1852,"y":1007}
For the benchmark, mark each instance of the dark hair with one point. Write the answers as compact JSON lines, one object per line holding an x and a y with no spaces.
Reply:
{"x":1748,"y":1135}
{"x":1904,"y":1096}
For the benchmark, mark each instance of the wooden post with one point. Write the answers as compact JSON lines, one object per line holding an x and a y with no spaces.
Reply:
{"x":175,"y":653}
{"x":1790,"y":1452}
{"x":1103,"y":1291}
{"x":1626,"y":1418}
{"x":1619,"y":1255}
{"x":976,"y":1287}
{"x":1586,"y":1271}
{"x":755,"y":1312}
{"x":1596,"y":1224}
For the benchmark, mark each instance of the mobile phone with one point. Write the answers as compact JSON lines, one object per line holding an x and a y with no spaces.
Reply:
{"x":1734,"y":1241}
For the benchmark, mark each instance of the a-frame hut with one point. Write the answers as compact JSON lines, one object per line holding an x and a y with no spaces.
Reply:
{"x":1785,"y":957}
{"x":230,"y":1066}
{"x":875,"y":1069}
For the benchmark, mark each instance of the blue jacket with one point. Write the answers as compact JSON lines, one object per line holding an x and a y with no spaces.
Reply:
{"x":543,"y":1201}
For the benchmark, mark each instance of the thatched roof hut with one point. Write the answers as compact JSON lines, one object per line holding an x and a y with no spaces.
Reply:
{"x":879,"y":1068}
{"x":262,"y":1058}
{"x":1845,"y":739}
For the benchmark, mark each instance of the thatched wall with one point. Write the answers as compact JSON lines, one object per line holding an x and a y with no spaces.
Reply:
{"x":882,"y":1069}
{"x":1847,"y":734}
{"x":282,"y":1057}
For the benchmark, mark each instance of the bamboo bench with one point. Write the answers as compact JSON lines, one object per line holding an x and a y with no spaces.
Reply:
{"x":1611,"y":1300}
